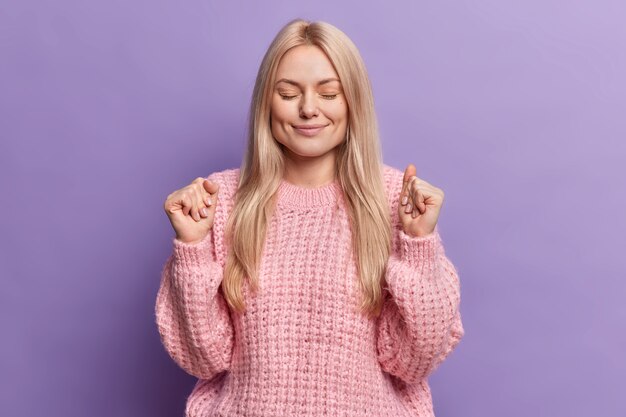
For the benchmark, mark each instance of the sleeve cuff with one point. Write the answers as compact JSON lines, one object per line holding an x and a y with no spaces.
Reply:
{"x":194,"y":255}
{"x":420,"y":251}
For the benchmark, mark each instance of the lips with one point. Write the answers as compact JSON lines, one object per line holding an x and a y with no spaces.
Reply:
{"x":309,"y":130}
{"x":308,"y":126}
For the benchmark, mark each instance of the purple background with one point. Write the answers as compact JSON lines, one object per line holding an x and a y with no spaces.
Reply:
{"x":516,"y":109}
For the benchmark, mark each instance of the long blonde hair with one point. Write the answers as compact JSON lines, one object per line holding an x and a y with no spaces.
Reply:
{"x":359,"y":169}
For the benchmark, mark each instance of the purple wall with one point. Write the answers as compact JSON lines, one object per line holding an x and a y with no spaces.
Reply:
{"x":516,"y":109}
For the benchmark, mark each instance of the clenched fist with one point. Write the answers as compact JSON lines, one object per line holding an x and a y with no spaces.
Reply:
{"x":191,"y":209}
{"x":420,"y":204}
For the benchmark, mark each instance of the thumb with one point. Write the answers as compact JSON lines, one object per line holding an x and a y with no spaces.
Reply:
{"x":409,"y":171}
{"x":210,"y":187}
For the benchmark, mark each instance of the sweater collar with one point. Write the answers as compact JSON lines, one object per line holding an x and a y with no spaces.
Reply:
{"x":297,"y":196}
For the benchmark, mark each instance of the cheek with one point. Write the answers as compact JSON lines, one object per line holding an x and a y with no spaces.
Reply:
{"x":338,"y":111}
{"x":279,"y":116}
{"x":282,"y":110}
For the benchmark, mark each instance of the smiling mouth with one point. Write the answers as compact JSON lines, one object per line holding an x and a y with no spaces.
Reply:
{"x":309,"y":130}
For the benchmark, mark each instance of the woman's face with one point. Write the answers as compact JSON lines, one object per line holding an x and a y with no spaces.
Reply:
{"x":309,"y":113}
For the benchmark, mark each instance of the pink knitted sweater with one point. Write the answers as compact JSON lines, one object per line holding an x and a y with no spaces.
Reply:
{"x":301,"y":348}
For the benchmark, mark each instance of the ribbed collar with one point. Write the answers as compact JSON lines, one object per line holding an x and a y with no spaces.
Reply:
{"x":292,"y":195}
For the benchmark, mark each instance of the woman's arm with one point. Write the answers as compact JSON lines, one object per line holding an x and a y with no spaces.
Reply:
{"x":192,"y":315}
{"x":420,"y":323}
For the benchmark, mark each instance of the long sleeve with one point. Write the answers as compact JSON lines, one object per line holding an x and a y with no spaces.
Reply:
{"x":191,"y":313}
{"x":420,"y":323}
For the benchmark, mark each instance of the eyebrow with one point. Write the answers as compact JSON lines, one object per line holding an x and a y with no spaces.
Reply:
{"x":324,"y":81}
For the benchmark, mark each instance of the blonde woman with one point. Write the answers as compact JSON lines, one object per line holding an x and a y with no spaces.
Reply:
{"x":312,"y":280}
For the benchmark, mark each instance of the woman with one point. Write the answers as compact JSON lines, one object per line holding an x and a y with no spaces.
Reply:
{"x":312,"y":280}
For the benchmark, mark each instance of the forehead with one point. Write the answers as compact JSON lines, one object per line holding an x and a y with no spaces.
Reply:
{"x":305,"y":63}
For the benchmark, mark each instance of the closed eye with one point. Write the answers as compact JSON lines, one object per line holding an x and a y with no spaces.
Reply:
{"x":326,"y":96}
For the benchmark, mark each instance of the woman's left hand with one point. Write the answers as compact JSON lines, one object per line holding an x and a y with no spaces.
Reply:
{"x":420,"y":204}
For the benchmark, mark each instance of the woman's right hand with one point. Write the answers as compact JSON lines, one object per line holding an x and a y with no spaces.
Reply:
{"x":191,"y":209}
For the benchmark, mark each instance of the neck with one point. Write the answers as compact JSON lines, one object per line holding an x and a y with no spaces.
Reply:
{"x":310,"y":172}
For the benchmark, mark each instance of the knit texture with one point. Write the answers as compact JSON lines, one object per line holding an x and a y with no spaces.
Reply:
{"x":302,"y":348}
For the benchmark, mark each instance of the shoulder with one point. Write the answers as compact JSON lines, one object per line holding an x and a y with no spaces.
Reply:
{"x":228,"y":180}
{"x":392,"y":179}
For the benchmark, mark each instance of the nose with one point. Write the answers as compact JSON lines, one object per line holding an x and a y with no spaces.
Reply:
{"x":308,"y":106}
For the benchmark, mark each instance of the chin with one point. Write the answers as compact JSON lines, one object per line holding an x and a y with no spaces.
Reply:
{"x":310,"y":151}
{"x":308,"y":154}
